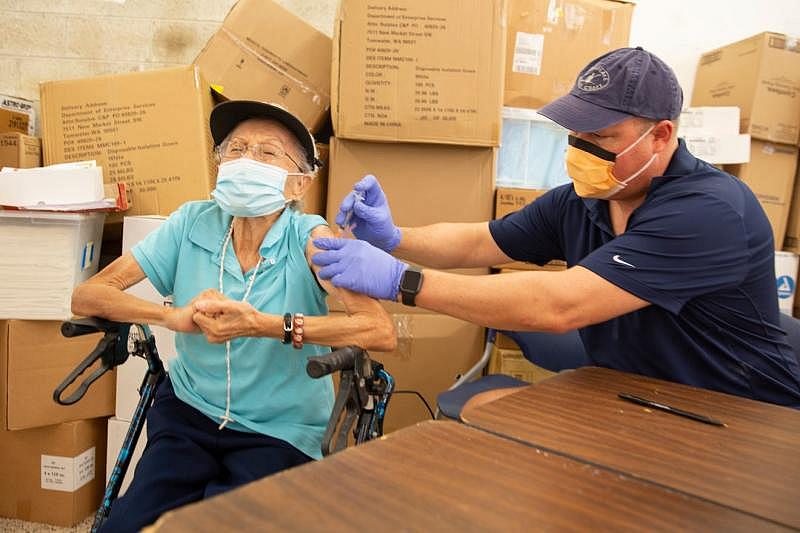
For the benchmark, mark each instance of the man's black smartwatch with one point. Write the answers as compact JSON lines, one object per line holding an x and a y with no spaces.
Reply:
{"x":410,"y":284}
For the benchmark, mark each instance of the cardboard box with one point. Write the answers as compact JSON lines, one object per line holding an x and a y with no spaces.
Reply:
{"x":131,"y":374}
{"x":45,"y":256}
{"x":53,"y":474}
{"x":761,"y":75}
{"x":148,"y":129}
{"x":34,"y":359}
{"x":289,"y":64}
{"x":18,"y":150}
{"x":770,"y":174}
{"x":314,"y":202}
{"x":433,"y":352}
{"x":791,"y":241}
{"x":419,"y":71}
{"x":424,"y":183}
{"x":13,"y":122}
{"x":117,"y":429}
{"x":21,"y":105}
{"x":512,"y":363}
{"x":550,"y":42}
{"x":508,"y":200}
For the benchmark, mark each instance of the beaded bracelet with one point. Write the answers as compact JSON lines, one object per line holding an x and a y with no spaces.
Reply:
{"x":287,"y":328}
{"x":297,"y":331}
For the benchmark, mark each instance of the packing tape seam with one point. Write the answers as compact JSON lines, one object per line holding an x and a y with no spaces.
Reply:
{"x":303,"y":85}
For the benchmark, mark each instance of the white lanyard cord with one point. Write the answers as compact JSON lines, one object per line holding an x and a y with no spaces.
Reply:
{"x":227,"y":416}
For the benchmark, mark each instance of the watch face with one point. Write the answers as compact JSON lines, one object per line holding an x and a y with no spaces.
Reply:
{"x":411,"y":281}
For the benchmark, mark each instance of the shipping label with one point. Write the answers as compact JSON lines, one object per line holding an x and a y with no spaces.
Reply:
{"x":396,"y":37}
{"x":68,"y":474}
{"x":528,"y":51}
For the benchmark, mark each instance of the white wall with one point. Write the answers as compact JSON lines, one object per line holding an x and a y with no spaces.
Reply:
{"x":43,"y":40}
{"x":678,"y":31}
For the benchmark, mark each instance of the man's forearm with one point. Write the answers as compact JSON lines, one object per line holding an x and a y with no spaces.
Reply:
{"x":521,"y":302}
{"x":449,"y":245}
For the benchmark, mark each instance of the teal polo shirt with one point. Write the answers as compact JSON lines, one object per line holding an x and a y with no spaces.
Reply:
{"x":271,"y":393}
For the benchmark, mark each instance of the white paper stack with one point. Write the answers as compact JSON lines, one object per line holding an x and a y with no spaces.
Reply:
{"x":712,"y":134}
{"x":45,"y":255}
{"x":64,"y":187}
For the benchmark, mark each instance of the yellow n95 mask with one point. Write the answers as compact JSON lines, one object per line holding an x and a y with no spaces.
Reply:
{"x":590,"y":168}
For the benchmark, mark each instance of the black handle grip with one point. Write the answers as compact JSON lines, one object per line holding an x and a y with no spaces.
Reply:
{"x":85,"y":326}
{"x":105,"y":343}
{"x":341,"y":359}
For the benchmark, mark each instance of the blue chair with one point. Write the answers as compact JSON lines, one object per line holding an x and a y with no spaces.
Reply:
{"x":551,"y":351}
{"x":554,"y":352}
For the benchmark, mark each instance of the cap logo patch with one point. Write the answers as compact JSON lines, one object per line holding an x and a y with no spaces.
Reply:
{"x":596,"y":78}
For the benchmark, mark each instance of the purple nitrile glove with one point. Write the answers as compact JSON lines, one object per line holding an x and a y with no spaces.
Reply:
{"x":359,"y":266}
{"x":370,"y":218}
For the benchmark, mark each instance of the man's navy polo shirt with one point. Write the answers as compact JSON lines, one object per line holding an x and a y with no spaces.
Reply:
{"x":700,"y":250}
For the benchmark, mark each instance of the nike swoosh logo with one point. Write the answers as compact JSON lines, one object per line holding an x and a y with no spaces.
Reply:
{"x":618,"y":259}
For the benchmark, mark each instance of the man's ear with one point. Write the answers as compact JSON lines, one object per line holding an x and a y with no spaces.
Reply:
{"x":299,"y":185}
{"x":663,"y":132}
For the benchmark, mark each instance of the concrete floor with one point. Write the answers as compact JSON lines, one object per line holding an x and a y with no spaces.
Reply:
{"x":9,"y":525}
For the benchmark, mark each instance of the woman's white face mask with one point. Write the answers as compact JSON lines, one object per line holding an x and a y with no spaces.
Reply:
{"x":249,"y":188}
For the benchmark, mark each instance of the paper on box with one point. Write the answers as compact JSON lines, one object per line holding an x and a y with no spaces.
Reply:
{"x":51,"y":186}
{"x":419,"y":71}
{"x":720,"y":149}
{"x":20,"y":105}
{"x":709,"y":120}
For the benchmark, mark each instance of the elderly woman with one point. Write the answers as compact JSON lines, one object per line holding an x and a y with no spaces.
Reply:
{"x":248,"y":308}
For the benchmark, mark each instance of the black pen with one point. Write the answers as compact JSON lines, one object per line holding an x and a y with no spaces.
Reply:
{"x":669,"y":409}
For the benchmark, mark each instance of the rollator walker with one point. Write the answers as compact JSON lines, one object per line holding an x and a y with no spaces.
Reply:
{"x":365,"y":389}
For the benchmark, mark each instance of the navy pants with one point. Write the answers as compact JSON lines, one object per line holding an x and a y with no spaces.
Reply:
{"x":187,"y":458}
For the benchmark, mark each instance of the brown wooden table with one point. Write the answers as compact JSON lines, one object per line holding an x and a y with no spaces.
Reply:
{"x":445,"y":476}
{"x":752,"y":465}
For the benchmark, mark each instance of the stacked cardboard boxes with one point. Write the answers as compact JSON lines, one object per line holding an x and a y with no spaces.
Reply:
{"x":52,"y":457}
{"x":416,"y":97}
{"x":761,"y":76}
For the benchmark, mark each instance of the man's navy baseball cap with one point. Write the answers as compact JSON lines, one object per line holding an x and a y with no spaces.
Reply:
{"x":622,"y":84}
